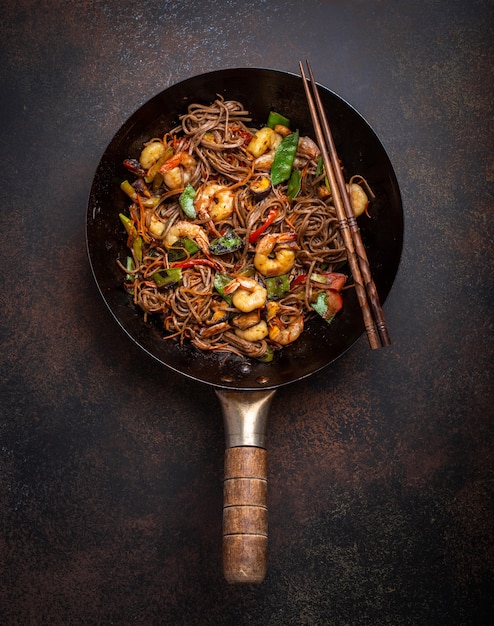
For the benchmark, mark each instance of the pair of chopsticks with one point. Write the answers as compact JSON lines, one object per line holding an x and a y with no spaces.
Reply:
{"x":375,"y":324}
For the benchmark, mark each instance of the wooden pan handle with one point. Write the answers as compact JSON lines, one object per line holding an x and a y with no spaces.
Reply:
{"x":245,"y":501}
{"x":245,"y":515}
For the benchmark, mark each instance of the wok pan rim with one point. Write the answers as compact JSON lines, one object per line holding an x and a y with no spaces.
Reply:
{"x":252,"y":384}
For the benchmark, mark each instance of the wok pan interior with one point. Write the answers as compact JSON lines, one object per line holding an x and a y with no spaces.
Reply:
{"x":260,"y":90}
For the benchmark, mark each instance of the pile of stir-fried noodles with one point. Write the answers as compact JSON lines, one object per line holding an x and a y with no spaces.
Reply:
{"x":232,"y":236}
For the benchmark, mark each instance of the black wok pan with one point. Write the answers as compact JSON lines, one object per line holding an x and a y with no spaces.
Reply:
{"x":245,"y":388}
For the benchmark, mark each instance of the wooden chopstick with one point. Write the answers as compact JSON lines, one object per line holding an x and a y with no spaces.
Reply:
{"x":374,"y":322}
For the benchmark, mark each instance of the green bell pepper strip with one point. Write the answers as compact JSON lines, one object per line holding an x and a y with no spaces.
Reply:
{"x":294,"y":184}
{"x":248,"y":271}
{"x":229,"y":242}
{"x":277,"y":286}
{"x":167,"y":277}
{"x":283,"y":158}
{"x":182,"y":249}
{"x":221,"y":280}
{"x":275,"y":118}
{"x":186,"y":201}
{"x":136,"y":240}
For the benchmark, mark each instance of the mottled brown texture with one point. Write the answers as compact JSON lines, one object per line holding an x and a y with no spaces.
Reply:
{"x":380,"y":467}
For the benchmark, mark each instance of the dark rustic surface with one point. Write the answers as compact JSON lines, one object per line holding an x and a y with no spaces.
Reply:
{"x":380,"y":467}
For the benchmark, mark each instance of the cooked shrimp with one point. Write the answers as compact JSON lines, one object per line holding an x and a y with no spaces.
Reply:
{"x":178,"y":170}
{"x":281,"y":245}
{"x":263,"y":147}
{"x":358,"y":198}
{"x":248,"y":294}
{"x":253,"y":333}
{"x":264,"y":163}
{"x":308,"y":148}
{"x":153,"y":151}
{"x":214,"y":201}
{"x":246,"y":320}
{"x":187,"y":229}
{"x":284,"y":334}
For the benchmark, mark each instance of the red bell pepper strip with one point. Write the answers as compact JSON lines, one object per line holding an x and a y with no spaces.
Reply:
{"x":272,"y":215}
{"x":329,"y":280}
{"x":247,"y":137}
{"x":298,"y":280}
{"x":194,"y":262}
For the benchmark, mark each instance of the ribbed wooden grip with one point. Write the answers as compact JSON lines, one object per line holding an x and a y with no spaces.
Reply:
{"x":245,"y":515}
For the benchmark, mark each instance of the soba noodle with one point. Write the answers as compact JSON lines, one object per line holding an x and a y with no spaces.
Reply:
{"x":210,"y":155}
